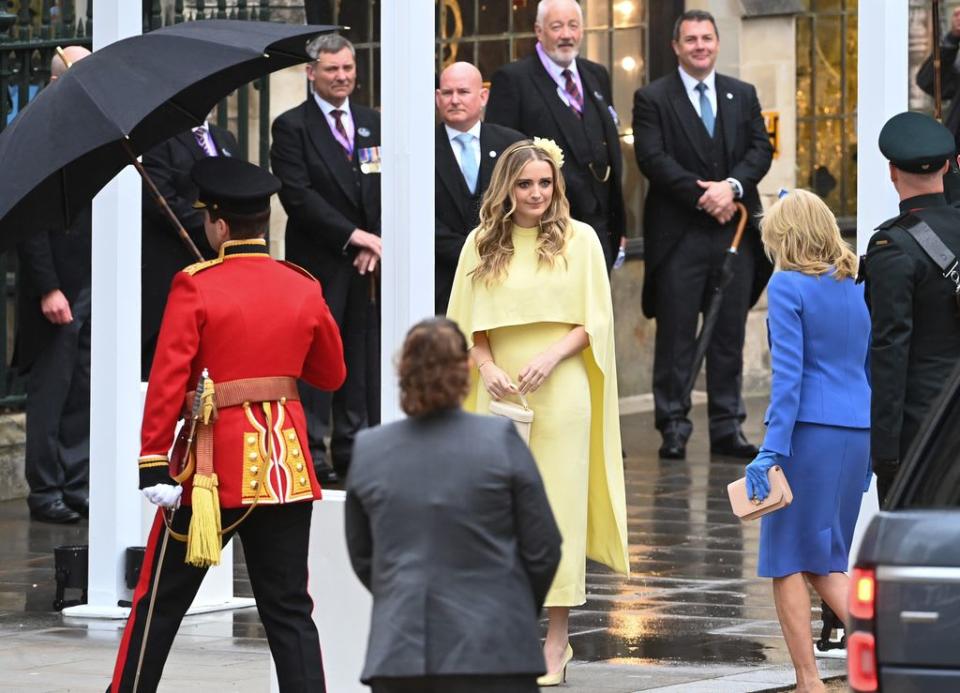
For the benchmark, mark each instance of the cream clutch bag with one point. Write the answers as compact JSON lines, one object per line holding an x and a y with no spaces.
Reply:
{"x":520,"y":414}
{"x":748,"y":509}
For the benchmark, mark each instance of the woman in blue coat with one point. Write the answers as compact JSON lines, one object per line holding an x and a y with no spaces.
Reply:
{"x":818,"y":420}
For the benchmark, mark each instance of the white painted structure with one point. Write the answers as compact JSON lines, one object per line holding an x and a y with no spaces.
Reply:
{"x":882,"y":85}
{"x":407,"y":67}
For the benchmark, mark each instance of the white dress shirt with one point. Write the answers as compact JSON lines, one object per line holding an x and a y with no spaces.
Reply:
{"x":455,"y":145}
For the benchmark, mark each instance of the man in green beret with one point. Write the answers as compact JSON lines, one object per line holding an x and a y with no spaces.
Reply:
{"x":912,"y":290}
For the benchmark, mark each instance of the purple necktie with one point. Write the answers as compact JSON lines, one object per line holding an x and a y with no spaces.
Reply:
{"x":576,"y":98}
{"x":342,"y":131}
{"x":201,"y":136}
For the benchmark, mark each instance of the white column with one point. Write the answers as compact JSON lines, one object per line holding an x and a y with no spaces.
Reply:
{"x":115,"y":361}
{"x":882,"y":89}
{"x":881,"y":93}
{"x":407,"y":66}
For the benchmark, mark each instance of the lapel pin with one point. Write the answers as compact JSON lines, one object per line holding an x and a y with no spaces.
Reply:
{"x":598,"y":95}
{"x":226,"y":152}
{"x":729,"y":95}
{"x":363,"y":132}
{"x":493,"y":154}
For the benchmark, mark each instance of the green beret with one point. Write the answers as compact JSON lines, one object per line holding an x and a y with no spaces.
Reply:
{"x":232,"y":186}
{"x":916,"y":143}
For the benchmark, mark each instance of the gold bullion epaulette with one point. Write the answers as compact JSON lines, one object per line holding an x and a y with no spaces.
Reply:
{"x":200,"y":266}
{"x":297,"y":268}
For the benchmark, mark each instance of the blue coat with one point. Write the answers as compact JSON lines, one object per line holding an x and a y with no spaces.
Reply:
{"x":819,"y":332}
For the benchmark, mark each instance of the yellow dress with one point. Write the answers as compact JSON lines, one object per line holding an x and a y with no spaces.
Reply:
{"x":575,"y":437}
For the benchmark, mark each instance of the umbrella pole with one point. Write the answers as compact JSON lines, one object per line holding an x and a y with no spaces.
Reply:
{"x":162,"y":203}
{"x":710,"y":317}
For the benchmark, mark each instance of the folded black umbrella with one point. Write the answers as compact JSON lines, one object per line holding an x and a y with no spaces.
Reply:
{"x":80,"y":131}
{"x":713,"y":310}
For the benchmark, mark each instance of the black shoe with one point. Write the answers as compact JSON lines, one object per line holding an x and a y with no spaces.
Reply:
{"x":674,"y":447}
{"x":326,"y":475}
{"x":734,"y":445}
{"x":80,"y":506}
{"x":55,"y":512}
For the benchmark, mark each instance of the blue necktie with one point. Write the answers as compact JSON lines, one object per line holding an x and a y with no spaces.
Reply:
{"x":468,"y":160}
{"x":706,"y":110}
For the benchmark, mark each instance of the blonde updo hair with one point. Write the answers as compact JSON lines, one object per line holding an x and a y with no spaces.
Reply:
{"x":494,"y":240}
{"x":799,"y":232}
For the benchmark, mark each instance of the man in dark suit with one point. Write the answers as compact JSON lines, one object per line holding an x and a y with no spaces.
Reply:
{"x":53,"y":348}
{"x":557,"y":95}
{"x":163,"y":253}
{"x":326,"y":151}
{"x":466,"y":152}
{"x":700,"y":141}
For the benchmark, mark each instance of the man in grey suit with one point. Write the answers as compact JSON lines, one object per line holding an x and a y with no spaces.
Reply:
{"x":458,"y":567}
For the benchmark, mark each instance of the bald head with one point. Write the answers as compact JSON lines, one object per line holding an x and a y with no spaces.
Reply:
{"x":461,"y":96}
{"x":72,"y":54}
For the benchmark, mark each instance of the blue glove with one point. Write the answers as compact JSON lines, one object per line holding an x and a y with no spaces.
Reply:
{"x":758,"y":485}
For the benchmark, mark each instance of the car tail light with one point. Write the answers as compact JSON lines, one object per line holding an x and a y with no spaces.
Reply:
{"x":862,"y":662}
{"x":863,"y":592}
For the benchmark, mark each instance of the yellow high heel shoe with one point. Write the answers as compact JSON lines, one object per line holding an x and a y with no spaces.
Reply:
{"x":558,"y":677}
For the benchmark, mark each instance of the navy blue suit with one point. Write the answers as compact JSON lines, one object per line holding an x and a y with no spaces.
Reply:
{"x":818,"y":420}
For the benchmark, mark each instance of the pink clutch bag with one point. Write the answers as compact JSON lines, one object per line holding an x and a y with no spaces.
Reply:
{"x":749,"y":509}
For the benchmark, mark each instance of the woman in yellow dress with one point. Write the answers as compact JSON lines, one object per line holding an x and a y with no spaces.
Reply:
{"x":532,"y":295}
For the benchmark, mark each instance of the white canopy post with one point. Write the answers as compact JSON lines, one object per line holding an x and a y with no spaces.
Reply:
{"x":882,"y":88}
{"x":114,"y":362}
{"x":408,"y":67}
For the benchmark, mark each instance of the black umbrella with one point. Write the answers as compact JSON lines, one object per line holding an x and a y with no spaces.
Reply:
{"x":80,"y":131}
{"x":713,"y":310}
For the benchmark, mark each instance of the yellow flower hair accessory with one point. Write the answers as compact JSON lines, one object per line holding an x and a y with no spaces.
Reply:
{"x":551,"y":148}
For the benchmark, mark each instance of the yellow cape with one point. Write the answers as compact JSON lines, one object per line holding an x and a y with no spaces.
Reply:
{"x":576,"y":292}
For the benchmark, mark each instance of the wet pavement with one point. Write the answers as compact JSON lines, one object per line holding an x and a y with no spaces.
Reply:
{"x":693,"y":616}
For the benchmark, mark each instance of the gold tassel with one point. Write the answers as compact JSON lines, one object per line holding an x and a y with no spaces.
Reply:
{"x":208,"y":408}
{"x":203,"y":538}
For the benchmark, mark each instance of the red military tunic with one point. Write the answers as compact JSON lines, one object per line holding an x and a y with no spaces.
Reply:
{"x":243,"y":315}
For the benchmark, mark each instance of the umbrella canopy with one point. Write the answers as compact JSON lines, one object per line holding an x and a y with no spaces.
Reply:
{"x":129,"y":96}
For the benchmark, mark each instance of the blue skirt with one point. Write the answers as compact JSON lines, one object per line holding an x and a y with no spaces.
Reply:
{"x":826,"y":473}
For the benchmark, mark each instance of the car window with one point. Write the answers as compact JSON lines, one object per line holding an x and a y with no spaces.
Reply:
{"x":936,"y":479}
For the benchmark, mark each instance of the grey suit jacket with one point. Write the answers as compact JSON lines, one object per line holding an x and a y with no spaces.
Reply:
{"x":449,"y":527}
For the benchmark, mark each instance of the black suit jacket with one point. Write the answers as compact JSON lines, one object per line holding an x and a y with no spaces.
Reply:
{"x":669,"y":144}
{"x":523,"y":96}
{"x":324,"y":197}
{"x":460,"y":566}
{"x":163,"y":253}
{"x":457,"y":211}
{"x":48,"y":259}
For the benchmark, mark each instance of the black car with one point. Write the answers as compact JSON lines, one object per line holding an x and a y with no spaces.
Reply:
{"x":904,"y":631}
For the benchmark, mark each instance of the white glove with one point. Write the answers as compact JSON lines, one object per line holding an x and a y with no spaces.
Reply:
{"x":164,"y":495}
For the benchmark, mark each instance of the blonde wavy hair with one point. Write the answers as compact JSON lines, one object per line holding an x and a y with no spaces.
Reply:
{"x":494,"y":241}
{"x":799,"y":232}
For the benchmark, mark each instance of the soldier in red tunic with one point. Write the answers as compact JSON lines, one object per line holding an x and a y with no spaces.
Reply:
{"x":241,"y":328}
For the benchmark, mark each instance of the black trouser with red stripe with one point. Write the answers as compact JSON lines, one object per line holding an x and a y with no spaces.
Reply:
{"x":275,"y":541}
